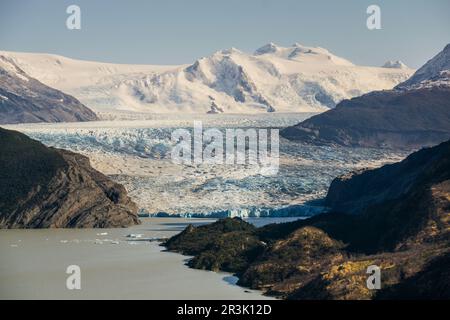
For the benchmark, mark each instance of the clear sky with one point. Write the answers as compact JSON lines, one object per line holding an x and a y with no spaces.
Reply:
{"x":181,"y":31}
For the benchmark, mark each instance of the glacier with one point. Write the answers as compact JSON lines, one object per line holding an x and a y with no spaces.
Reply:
{"x":137,"y":155}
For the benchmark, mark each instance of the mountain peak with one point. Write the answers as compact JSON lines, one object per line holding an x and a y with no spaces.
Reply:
{"x":436,"y":72}
{"x":267,"y":48}
{"x":226,"y":52}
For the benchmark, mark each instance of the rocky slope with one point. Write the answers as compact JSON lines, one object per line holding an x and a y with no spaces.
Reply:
{"x":43,"y":187}
{"x":274,"y":78}
{"x":415,"y":114}
{"x":436,"y":72}
{"x":25,"y":99}
{"x":396,"y":217}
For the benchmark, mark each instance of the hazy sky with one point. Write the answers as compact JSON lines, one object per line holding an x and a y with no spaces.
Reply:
{"x":180,"y":31}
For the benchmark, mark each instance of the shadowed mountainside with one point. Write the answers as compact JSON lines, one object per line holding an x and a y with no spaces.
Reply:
{"x":43,"y":187}
{"x":384,"y":119}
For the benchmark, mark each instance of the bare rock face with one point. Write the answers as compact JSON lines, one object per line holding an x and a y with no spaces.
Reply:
{"x":43,"y":187}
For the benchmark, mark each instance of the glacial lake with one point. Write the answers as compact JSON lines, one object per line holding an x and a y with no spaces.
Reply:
{"x":113,"y":266}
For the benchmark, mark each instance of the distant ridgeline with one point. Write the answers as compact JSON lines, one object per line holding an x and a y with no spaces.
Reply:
{"x":396,"y":217}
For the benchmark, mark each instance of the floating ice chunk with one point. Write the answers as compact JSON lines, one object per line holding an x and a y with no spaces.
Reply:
{"x":135,"y":235}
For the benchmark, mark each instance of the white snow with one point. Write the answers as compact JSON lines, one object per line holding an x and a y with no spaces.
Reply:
{"x":275,"y":78}
{"x":397,"y":64}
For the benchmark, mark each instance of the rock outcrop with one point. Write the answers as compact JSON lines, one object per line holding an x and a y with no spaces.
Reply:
{"x":43,"y":187}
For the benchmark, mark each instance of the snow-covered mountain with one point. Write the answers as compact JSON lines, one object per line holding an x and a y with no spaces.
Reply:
{"x":25,"y":99}
{"x":436,"y":72}
{"x":274,"y":78}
